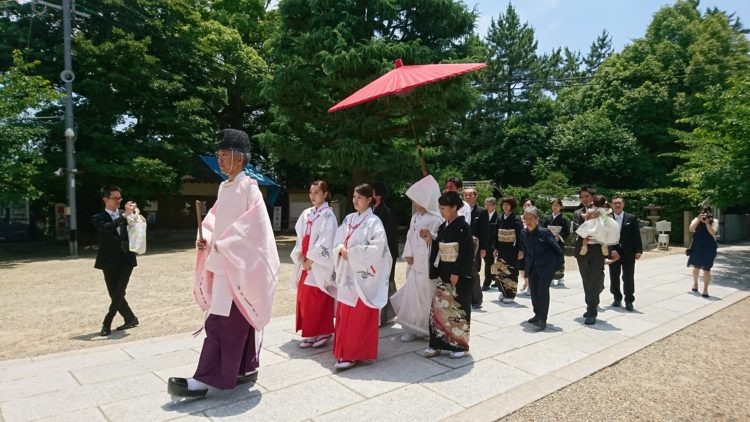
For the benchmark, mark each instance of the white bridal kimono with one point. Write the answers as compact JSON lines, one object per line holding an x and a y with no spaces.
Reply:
{"x":413,"y":302}
{"x":364,"y":276}
{"x":322,"y":225}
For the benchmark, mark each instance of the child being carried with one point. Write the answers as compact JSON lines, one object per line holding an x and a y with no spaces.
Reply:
{"x":599,"y":226}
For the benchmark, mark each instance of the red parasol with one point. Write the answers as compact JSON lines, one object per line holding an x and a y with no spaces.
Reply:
{"x":403,"y":79}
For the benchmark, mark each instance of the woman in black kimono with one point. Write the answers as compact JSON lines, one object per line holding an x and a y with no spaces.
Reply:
{"x":560,"y":228}
{"x":508,"y":250}
{"x":451,"y":262}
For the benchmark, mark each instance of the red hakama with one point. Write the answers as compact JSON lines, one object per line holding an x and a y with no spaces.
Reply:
{"x":356,"y":332}
{"x":314,"y":307}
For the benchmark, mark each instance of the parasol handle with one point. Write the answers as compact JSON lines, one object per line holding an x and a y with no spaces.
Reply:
{"x":198,"y":214}
{"x":421,"y":159}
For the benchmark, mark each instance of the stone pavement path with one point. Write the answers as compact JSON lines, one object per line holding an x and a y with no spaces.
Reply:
{"x":509,"y":366}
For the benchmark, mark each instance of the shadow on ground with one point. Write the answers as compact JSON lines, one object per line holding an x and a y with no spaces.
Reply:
{"x":734,"y":265}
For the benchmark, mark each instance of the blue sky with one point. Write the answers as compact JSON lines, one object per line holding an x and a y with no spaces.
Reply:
{"x":576,"y":23}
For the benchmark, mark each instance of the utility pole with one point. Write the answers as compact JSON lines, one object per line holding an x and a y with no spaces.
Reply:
{"x":67,"y":76}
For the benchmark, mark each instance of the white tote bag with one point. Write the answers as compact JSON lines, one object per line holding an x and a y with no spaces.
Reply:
{"x":137,"y":233}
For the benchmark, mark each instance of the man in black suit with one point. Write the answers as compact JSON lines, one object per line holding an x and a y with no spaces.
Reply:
{"x":381,"y":191}
{"x":590,"y":265}
{"x":114,"y":257}
{"x":488,"y":232}
{"x":629,"y":250}
{"x":470,"y":197}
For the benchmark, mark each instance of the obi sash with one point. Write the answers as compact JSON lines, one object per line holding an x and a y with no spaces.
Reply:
{"x":506,"y":235}
{"x":448,"y":251}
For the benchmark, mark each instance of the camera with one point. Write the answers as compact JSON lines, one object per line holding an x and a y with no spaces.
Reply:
{"x":707,"y":217}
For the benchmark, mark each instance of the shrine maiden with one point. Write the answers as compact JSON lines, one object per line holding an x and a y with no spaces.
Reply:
{"x":362,"y":264}
{"x":313,"y":271}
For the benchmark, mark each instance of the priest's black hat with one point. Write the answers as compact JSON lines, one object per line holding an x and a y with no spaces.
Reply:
{"x":233,"y":139}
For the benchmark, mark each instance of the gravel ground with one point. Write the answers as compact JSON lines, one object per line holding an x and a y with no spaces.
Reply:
{"x":53,"y":304}
{"x":697,"y":374}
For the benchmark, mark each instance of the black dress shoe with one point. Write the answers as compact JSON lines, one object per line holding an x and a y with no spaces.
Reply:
{"x":629,"y":307}
{"x":540,"y":325}
{"x":695,"y":290}
{"x":705,"y":295}
{"x":616,"y":304}
{"x":476,"y":305}
{"x":247,"y":378}
{"x":532,"y":320}
{"x":105,"y":331}
{"x":485,"y":288}
{"x":179,"y":387}
{"x":590,"y":320}
{"x":131,"y":324}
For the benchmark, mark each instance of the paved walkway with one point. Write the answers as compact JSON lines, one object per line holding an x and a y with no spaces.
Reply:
{"x":509,"y":366}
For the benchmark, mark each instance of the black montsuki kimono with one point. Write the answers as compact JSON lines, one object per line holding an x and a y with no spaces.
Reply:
{"x":562,"y":222}
{"x":507,"y":255}
{"x":450,"y":314}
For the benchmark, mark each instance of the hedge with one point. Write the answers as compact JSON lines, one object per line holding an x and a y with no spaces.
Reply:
{"x":673,"y":202}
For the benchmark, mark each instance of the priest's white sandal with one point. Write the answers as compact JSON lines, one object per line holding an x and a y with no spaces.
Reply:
{"x":251,"y":376}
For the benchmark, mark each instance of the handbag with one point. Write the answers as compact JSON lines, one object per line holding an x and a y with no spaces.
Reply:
{"x":688,"y":250}
{"x":137,"y":233}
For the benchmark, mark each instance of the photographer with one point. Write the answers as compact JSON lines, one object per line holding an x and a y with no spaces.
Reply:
{"x":702,"y":251}
{"x":114,"y":257}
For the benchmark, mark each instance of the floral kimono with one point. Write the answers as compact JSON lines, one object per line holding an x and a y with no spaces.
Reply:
{"x":508,"y":244}
{"x":452,"y":254}
{"x":559,"y":226}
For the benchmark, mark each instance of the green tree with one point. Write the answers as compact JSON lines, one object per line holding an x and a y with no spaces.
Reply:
{"x":717,"y":152}
{"x":512,"y":66}
{"x":599,"y":51}
{"x":594,"y":150}
{"x":652,"y":88}
{"x":155,"y":80}
{"x":509,"y":130}
{"x":549,"y":184}
{"x":22,"y":95}
{"x":326,"y":50}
